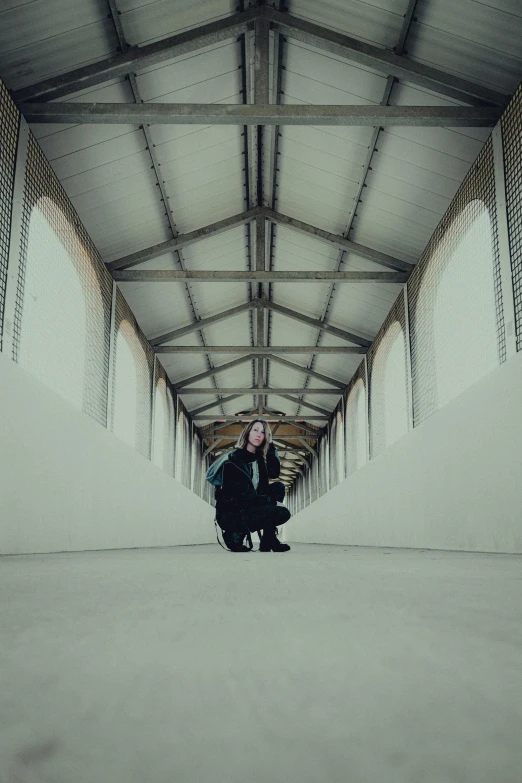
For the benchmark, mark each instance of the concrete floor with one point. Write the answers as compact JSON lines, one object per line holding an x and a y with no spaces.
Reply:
{"x":194,"y":665}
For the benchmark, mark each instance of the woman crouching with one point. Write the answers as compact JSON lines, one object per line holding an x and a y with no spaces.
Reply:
{"x":245,"y":501}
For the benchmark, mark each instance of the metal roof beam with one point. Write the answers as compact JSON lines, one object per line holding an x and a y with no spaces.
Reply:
{"x":313,"y":373}
{"x":309,"y":405}
{"x":243,"y":420}
{"x":256,"y":391}
{"x":384,"y":60}
{"x":230,"y":276}
{"x":215,"y":403}
{"x":337,"y":239}
{"x":309,"y":448}
{"x":253,"y":114}
{"x":211,"y":447}
{"x":183,"y":240}
{"x":254,"y":417}
{"x":214,"y":371}
{"x":266,"y":351}
{"x":305,"y":319}
{"x":165,"y":338}
{"x":138,"y":57}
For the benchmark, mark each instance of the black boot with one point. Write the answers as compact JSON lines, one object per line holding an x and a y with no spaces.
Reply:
{"x":270,"y":542}
{"x":234,"y":541}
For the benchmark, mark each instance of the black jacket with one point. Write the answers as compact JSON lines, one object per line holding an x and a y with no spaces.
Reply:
{"x":237,"y":492}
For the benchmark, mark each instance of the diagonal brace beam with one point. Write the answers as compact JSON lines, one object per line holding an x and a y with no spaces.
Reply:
{"x":383,"y":60}
{"x":316,"y":323}
{"x":214,"y":371}
{"x":164,"y":338}
{"x":337,"y":239}
{"x":183,"y":240}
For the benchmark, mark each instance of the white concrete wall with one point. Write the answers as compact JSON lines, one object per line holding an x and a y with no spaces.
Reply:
{"x":67,"y":484}
{"x":454,"y":482}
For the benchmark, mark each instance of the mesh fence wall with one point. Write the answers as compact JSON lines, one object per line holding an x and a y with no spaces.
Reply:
{"x":356,"y":421}
{"x":63,"y":303}
{"x":164,"y":422}
{"x":9,"y":123}
{"x":512,"y":142}
{"x":128,"y":337}
{"x":389,"y":394}
{"x":465,"y":217}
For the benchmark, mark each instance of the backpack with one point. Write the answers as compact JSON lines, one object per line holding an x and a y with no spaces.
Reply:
{"x":214,"y":474}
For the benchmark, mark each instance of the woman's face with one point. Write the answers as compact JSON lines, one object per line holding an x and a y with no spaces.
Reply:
{"x":256,"y":435}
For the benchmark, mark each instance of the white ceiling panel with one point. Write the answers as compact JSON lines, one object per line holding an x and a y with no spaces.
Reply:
{"x":471,"y":39}
{"x":119,"y":170}
{"x":101,"y":154}
{"x":47,"y":38}
{"x":377,"y":22}
{"x":146,"y":21}
{"x":131,"y":236}
{"x":96,"y":197}
{"x":213,"y":73}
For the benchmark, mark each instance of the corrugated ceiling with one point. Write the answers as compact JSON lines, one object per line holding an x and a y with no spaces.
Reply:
{"x":209,"y":172}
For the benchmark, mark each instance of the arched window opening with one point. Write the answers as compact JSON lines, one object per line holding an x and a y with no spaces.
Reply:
{"x":125,"y":388}
{"x":163,"y":453}
{"x":455,"y":316}
{"x":62,"y":330}
{"x":389,"y":395}
{"x":340,"y":443}
{"x":356,"y":449}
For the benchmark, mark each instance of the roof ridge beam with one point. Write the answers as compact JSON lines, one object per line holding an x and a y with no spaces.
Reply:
{"x":138,"y":57}
{"x":183,"y":240}
{"x":337,"y":239}
{"x":255,"y":114}
{"x":317,"y":324}
{"x":384,"y":60}
{"x":224,"y":314}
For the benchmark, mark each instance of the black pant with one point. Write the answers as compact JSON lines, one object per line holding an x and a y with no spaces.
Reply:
{"x":259,"y":517}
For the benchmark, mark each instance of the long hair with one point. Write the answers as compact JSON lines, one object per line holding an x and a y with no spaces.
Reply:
{"x":243,"y":438}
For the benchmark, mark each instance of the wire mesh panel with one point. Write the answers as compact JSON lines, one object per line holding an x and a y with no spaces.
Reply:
{"x":132,"y":387}
{"x":63,"y":303}
{"x":9,"y":123}
{"x":164,"y":422}
{"x":389,"y":401}
{"x":512,"y":142}
{"x":459,"y":273}
{"x":356,"y":425}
